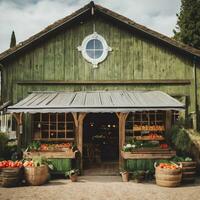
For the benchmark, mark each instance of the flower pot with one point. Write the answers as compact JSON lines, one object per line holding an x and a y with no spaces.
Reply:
{"x":74,"y":177}
{"x":139,"y":178}
{"x":124,"y":176}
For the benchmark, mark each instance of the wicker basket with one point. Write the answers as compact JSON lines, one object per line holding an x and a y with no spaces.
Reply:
{"x":168,"y":177}
{"x":36,"y":175}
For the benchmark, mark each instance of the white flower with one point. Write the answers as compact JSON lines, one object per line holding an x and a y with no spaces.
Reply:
{"x":133,"y":145}
{"x":128,"y":145}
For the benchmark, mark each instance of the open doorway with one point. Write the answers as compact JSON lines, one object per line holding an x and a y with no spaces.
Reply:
{"x":101,"y":144}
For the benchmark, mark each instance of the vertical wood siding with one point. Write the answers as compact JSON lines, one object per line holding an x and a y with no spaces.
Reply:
{"x":132,"y":57}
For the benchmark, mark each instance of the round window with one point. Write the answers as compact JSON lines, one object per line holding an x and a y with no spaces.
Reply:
{"x":94,"y":49}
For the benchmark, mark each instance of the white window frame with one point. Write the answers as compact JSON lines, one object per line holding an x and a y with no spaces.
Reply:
{"x":106,"y":49}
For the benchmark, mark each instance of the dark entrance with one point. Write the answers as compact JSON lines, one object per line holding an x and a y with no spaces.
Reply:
{"x":100,"y":144}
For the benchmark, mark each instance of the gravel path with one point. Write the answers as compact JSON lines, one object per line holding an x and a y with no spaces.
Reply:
{"x":100,"y":188}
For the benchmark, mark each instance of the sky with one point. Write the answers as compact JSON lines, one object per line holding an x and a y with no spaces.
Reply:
{"x":27,"y":17}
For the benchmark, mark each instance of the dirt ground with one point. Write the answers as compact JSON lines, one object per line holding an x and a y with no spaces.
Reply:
{"x":101,"y":188}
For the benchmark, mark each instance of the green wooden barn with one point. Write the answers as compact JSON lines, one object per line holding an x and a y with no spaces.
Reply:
{"x":96,"y":79}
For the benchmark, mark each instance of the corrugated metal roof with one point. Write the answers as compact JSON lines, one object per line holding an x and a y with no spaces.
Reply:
{"x":96,"y":101}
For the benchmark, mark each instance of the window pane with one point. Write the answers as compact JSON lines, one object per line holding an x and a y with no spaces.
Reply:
{"x":98,"y":44}
{"x":98,"y":53}
{"x":90,"y":45}
{"x":90,"y":53}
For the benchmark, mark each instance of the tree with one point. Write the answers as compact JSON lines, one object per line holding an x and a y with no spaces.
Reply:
{"x":188,"y":25}
{"x":13,"y":40}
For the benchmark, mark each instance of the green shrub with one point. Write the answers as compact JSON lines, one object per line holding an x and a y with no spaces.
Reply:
{"x":179,"y":139}
{"x":3,"y":142}
{"x":182,"y":141}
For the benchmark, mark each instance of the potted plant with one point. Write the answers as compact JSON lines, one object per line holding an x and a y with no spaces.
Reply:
{"x":73,"y":175}
{"x":139,"y":176}
{"x":125,"y":175}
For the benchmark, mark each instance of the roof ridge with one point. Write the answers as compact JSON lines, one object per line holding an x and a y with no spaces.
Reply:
{"x":150,"y":31}
{"x":52,"y":27}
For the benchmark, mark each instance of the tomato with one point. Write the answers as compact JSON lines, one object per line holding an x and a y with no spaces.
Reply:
{"x":10,"y":163}
{"x":167,"y":166}
{"x":28,"y":164}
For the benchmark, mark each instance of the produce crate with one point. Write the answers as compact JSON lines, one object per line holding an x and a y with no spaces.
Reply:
{"x":50,"y":154}
{"x":149,"y":154}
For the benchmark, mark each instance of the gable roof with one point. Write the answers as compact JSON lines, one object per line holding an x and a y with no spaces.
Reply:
{"x":88,"y":9}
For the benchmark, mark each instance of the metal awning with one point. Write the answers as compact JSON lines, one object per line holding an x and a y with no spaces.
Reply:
{"x":95,"y":101}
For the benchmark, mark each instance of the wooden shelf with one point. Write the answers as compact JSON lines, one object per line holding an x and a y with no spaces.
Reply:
{"x":149,"y":121}
{"x":59,"y":131}
{"x":148,"y":155}
{"x":50,"y":154}
{"x":47,"y":122}
{"x":148,"y":130}
{"x":146,"y":138}
{"x":54,"y":139}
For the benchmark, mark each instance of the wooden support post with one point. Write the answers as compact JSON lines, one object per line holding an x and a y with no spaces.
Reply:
{"x":75,"y":116}
{"x":78,"y":120}
{"x":122,"y":121}
{"x":18,"y":117}
{"x":168,"y":120}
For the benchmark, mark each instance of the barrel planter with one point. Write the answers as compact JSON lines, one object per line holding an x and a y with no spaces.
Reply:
{"x":11,"y":177}
{"x":36,"y":175}
{"x":189,"y":172}
{"x":0,"y":176}
{"x":168,"y":177}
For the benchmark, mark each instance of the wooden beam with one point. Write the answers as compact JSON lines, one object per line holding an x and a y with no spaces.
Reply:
{"x":18,"y":117}
{"x":75,"y":116}
{"x":168,"y":120}
{"x":118,"y":114}
{"x":79,"y":134}
{"x":107,"y":82}
{"x":122,"y":121}
{"x":5,"y":105}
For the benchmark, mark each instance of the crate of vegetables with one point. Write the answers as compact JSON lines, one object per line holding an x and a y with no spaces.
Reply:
{"x":10,"y":173}
{"x":61,"y":150}
{"x":168,"y":174}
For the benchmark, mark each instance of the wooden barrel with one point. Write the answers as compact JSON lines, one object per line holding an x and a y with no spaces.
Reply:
{"x":189,"y":172}
{"x":36,"y":175}
{"x":11,"y":177}
{"x":0,"y":176}
{"x":168,"y":177}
